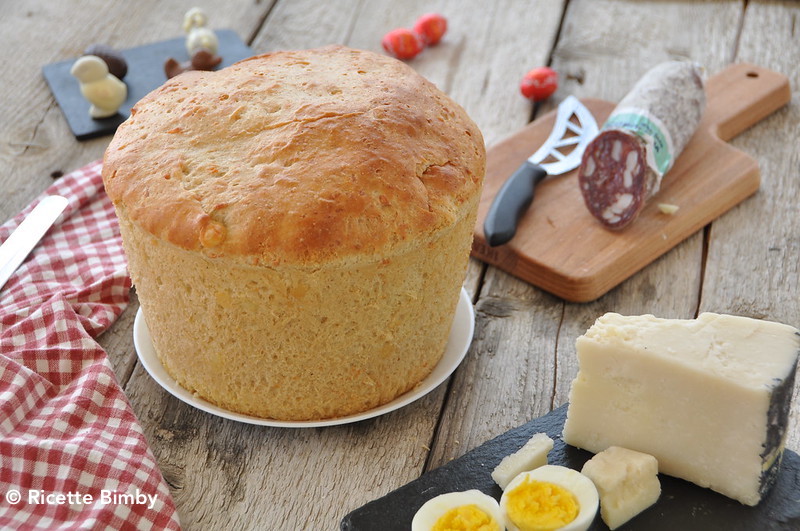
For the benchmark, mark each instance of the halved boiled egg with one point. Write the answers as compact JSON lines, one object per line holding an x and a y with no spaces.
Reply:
{"x":471,"y":510}
{"x":548,"y":498}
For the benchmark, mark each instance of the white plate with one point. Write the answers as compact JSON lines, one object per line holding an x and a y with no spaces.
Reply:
{"x":457,"y":346}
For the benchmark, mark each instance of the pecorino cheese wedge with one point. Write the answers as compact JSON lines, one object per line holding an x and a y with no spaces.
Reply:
{"x":709,"y":398}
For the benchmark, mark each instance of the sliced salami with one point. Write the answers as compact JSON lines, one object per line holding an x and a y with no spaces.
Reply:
{"x":623,"y":166}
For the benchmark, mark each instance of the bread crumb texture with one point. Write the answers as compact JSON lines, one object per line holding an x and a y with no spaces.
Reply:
{"x":298,"y":227}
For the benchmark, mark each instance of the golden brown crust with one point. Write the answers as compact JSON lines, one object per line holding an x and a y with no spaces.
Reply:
{"x":299,"y":157}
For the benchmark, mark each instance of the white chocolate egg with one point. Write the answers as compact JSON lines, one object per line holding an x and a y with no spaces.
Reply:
{"x":105,"y":92}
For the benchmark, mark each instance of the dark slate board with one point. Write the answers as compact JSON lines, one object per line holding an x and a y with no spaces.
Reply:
{"x":145,"y":73}
{"x":683,"y":506}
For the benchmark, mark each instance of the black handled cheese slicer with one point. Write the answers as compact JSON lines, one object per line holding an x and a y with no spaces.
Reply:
{"x":574,"y":128}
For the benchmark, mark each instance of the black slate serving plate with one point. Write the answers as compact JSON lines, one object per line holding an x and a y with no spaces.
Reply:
{"x":682,"y":506}
{"x":145,"y":73}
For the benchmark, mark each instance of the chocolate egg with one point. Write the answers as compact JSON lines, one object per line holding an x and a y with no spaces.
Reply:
{"x":117,"y":65}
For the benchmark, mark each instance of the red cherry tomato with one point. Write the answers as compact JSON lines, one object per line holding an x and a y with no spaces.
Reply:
{"x":539,"y":84}
{"x":402,"y":43}
{"x":431,"y":27}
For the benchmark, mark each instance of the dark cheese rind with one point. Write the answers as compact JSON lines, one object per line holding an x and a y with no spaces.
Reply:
{"x":778,"y":422}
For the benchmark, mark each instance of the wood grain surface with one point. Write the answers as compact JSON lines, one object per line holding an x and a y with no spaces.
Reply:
{"x":226,"y":475}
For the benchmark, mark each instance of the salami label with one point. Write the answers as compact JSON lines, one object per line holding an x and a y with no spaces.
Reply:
{"x":651,"y":130}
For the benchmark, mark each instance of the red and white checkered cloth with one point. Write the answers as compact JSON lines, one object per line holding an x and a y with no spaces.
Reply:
{"x":72,"y":453}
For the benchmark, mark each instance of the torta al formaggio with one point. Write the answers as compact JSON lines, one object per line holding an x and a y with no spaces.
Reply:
{"x":298,"y":227}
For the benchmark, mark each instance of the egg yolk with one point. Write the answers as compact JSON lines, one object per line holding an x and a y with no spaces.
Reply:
{"x":540,"y":506}
{"x":465,"y":518}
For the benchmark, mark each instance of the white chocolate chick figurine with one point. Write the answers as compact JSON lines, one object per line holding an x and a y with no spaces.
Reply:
{"x":199,"y":36}
{"x":104,"y":91}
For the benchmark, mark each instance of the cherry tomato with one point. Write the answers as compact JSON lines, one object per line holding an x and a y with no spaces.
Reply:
{"x":402,"y":43}
{"x":539,"y":84}
{"x":431,"y":27}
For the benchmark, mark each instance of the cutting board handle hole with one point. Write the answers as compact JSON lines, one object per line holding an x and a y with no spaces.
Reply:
{"x":752,"y":74}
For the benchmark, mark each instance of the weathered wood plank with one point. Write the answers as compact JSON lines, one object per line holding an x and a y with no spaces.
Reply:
{"x":753,"y":265}
{"x":606,"y":58}
{"x":304,"y":24}
{"x":487,"y":50}
{"x":225,"y":473}
{"x":505,"y":361}
{"x":117,"y":341}
{"x":508,"y":373}
{"x":597,"y":56}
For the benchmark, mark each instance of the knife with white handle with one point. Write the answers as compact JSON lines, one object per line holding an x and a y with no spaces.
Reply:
{"x":574,"y":128}
{"x":25,"y":237}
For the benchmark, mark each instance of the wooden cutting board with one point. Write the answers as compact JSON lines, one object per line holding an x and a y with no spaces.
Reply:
{"x":562,"y":249}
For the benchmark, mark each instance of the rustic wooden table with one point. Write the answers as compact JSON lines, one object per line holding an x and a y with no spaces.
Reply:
{"x":236,"y":476}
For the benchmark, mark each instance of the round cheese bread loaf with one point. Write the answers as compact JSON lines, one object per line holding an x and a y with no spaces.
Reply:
{"x":298,"y":227}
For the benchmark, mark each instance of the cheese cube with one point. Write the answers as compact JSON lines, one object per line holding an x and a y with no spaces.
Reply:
{"x":627,"y":482}
{"x":708,"y":398}
{"x":532,"y":455}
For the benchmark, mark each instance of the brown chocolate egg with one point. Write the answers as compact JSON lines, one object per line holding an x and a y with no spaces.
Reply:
{"x":117,"y":65}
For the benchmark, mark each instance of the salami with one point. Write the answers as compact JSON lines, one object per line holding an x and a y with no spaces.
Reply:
{"x":623,"y":166}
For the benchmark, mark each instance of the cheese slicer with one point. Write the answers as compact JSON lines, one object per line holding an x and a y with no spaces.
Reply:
{"x":574,"y":128}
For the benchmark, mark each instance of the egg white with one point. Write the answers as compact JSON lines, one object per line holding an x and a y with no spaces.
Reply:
{"x":433,"y":509}
{"x":579,"y":485}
